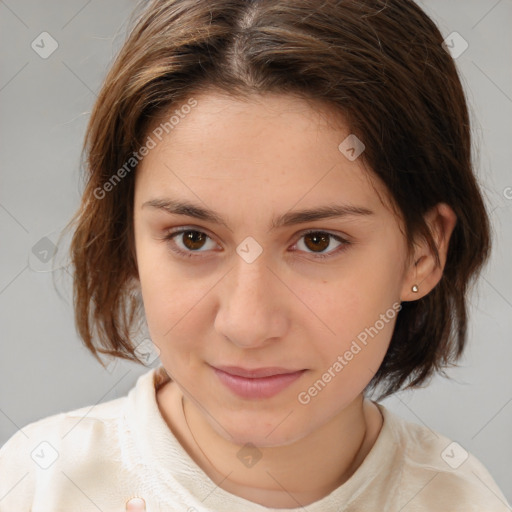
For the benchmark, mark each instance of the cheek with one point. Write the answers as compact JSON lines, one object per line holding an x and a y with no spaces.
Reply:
{"x":166,"y":293}
{"x":178,"y":310}
{"x":360,"y":309}
{"x":172,"y":307}
{"x":360,"y":329}
{"x":349,"y":358}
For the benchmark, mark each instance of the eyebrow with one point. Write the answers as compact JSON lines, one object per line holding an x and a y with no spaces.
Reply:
{"x":178,"y":207}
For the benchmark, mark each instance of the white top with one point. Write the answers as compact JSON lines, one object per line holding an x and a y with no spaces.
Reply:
{"x":97,"y":458}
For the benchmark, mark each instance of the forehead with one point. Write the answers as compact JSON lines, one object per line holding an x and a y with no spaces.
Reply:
{"x":240,"y":127}
{"x":276,"y":146}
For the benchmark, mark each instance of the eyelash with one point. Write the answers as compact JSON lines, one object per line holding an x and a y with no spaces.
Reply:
{"x":191,"y":254}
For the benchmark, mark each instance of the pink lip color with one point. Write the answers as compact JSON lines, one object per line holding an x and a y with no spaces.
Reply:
{"x":261,"y":387}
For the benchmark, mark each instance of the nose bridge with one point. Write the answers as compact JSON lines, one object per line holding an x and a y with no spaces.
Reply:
{"x":251,"y":286}
{"x":249,"y":313}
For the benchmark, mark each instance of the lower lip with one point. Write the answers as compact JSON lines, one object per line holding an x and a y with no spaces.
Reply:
{"x":264,"y":387}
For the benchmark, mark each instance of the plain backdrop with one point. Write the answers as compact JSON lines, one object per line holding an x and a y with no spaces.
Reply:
{"x":44,"y":108}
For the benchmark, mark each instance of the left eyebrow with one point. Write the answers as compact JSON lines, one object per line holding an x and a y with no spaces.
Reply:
{"x":179,"y":207}
{"x":324,"y":212}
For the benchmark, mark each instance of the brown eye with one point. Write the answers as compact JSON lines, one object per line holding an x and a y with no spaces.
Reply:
{"x":187,"y":242}
{"x":317,"y":241}
{"x":194,"y":240}
{"x":321,"y":244}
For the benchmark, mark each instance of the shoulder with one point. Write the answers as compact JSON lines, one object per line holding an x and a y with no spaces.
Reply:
{"x":64,"y":428}
{"x":42,"y":451}
{"x":440,"y":474}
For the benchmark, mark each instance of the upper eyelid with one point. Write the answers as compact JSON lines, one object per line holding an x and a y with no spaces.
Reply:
{"x":301,"y":232}
{"x":180,"y":230}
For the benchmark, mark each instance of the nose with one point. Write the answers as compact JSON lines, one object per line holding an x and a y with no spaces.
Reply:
{"x":251,"y":309}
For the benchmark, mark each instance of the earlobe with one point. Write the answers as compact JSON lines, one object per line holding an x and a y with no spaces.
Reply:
{"x":425,"y":271}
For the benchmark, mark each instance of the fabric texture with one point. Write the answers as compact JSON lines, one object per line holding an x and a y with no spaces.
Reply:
{"x":98,"y":457}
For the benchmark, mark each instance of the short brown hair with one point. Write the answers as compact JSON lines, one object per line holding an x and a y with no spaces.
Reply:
{"x":380,"y":63}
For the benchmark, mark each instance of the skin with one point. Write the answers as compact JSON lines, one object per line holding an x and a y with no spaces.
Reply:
{"x":251,"y":160}
{"x":136,"y":505}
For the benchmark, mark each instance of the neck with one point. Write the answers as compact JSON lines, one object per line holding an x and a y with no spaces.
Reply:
{"x":288,"y":476}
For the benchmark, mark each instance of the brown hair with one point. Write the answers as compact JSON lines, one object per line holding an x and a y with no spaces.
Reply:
{"x":379,"y":62}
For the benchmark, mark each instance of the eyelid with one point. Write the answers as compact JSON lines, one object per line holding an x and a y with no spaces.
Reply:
{"x":343,"y":240}
{"x":326,"y":231}
{"x":174,"y":232}
{"x":201,"y":229}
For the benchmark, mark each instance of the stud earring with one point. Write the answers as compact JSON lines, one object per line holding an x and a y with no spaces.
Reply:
{"x":415,"y":288}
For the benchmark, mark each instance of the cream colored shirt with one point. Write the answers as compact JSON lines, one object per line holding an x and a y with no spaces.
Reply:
{"x":97,"y":458}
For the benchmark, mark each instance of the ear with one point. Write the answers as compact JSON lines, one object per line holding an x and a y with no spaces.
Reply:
{"x":423,"y":270}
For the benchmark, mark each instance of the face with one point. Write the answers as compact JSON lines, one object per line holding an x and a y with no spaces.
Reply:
{"x":241,"y":279}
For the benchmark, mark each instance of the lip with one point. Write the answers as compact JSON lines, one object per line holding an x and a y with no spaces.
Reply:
{"x":258,"y":382}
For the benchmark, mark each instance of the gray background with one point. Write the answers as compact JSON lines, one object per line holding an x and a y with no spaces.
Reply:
{"x":44,"y":107}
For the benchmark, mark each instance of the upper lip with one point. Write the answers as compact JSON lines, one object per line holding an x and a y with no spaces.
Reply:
{"x":255,"y":373}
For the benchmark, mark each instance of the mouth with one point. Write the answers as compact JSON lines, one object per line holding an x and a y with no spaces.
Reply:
{"x":256,"y":383}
